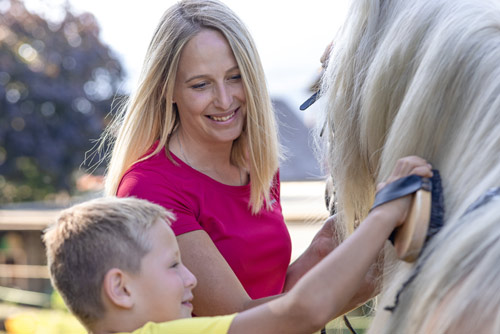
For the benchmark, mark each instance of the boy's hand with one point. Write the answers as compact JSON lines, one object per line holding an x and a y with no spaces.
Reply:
{"x":397,"y":210}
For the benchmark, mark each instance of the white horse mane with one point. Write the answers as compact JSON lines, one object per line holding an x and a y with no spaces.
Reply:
{"x":422,"y":78}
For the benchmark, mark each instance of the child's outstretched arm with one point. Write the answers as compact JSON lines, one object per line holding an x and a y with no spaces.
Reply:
{"x":324,"y":291}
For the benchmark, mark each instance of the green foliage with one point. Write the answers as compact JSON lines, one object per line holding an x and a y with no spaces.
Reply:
{"x":57,"y":81}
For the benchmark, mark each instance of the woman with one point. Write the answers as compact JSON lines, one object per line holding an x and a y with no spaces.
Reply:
{"x":423,"y":77}
{"x":199,"y":137}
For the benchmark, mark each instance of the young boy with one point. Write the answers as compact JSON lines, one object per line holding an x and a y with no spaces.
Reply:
{"x":117,"y":265}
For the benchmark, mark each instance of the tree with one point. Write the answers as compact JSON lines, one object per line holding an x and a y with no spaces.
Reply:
{"x":57,"y":81}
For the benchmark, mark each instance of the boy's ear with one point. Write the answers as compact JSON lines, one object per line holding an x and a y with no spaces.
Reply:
{"x":116,"y":289}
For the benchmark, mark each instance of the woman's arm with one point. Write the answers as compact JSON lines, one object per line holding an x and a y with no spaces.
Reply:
{"x":322,"y":244}
{"x":218,"y":290}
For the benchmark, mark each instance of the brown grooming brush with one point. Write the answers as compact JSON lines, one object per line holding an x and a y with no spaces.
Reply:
{"x":425,"y":217}
{"x":410,"y":237}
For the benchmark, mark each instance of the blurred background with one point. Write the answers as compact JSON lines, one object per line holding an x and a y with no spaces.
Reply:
{"x":63,"y":66}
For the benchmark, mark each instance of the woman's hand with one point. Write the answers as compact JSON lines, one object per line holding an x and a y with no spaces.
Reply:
{"x":322,"y":244}
{"x":325,"y":239}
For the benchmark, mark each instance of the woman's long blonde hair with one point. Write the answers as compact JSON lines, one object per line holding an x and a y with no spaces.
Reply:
{"x":151,"y":116}
{"x":422,"y":78}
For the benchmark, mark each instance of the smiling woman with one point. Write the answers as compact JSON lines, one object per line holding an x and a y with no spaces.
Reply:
{"x":198,"y":136}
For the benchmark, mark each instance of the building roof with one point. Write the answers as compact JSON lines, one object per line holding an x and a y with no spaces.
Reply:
{"x":300,"y":163}
{"x":301,"y":202}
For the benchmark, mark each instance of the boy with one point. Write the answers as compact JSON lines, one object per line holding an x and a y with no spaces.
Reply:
{"x":117,"y":265}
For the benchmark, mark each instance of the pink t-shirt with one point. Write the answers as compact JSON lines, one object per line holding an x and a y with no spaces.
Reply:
{"x":256,"y":247}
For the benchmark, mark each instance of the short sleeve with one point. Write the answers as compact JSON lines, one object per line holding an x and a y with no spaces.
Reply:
{"x":152,"y":186}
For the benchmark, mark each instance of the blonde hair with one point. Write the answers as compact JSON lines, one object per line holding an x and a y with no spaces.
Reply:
{"x":91,"y":238}
{"x":150,"y":114}
{"x":419,"y":78}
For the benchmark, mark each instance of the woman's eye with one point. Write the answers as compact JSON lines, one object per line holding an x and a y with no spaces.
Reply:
{"x":199,"y":85}
{"x":175,"y":265}
{"x":236,"y":77}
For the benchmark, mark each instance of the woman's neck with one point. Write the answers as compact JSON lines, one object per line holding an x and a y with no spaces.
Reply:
{"x":209,"y":159}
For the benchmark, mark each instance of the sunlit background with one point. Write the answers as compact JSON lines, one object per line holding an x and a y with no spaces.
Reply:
{"x":290,"y":35}
{"x":64,"y":61}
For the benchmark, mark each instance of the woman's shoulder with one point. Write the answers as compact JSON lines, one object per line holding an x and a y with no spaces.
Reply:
{"x":153,"y":167}
{"x":155,"y":172}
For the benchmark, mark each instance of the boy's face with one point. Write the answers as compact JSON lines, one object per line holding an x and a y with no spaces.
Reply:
{"x":163,"y":286}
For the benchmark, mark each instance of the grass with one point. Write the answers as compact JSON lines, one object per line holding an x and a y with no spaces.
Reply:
{"x":359,"y":323}
{"x":28,"y":320}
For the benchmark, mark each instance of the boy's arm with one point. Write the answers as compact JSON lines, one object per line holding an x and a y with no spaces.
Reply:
{"x":324,"y":291}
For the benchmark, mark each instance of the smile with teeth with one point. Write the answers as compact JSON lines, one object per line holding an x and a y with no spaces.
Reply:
{"x":222,"y":118}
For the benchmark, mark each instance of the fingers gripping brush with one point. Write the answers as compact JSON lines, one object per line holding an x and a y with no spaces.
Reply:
{"x":425,"y":217}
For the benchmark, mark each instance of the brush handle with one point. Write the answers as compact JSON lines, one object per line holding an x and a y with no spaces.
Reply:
{"x":409,"y":238}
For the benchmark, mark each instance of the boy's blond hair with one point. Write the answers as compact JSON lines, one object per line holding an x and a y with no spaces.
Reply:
{"x":91,"y":238}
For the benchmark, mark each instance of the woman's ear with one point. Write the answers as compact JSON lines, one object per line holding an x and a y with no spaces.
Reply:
{"x":116,"y":288}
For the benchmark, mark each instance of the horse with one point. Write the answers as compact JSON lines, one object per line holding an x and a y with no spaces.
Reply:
{"x":407,"y":77}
